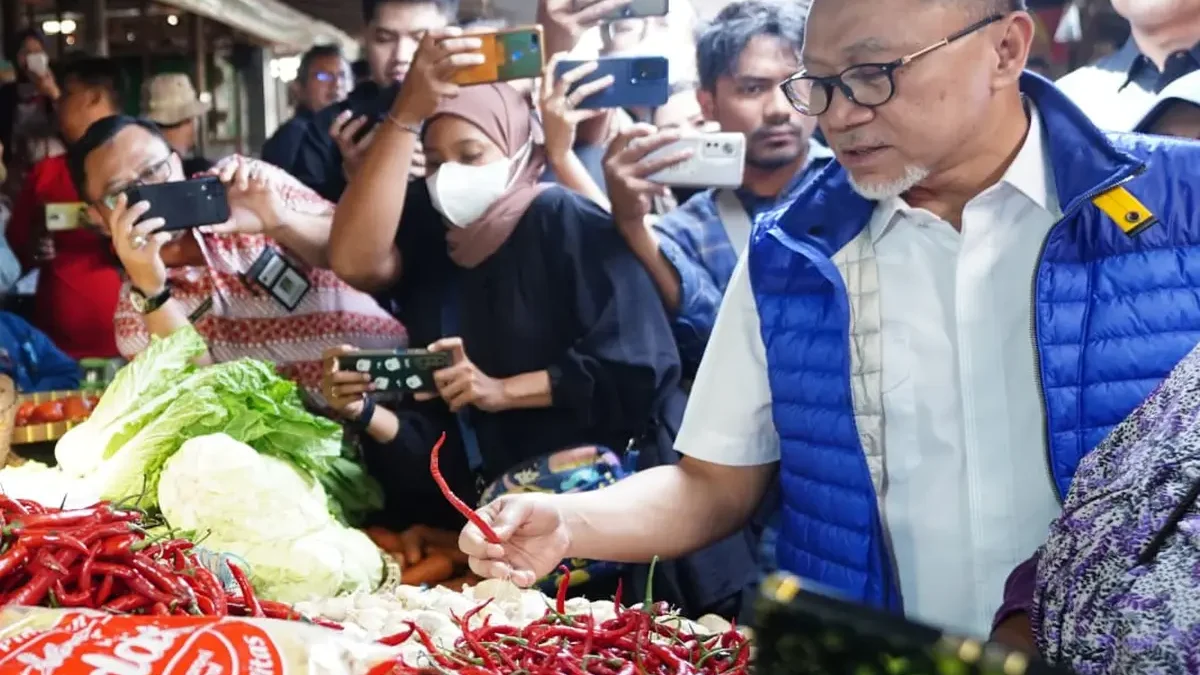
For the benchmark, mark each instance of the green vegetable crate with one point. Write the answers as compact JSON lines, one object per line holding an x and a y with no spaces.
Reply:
{"x":802,"y":632}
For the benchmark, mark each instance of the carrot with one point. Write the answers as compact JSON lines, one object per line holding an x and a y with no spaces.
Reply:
{"x":431,"y":569}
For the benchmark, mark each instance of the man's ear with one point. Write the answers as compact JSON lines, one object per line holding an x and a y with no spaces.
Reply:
{"x":1014,"y":48}
{"x":708,"y":104}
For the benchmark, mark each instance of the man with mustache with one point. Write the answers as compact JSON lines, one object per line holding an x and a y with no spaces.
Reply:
{"x":747,"y":49}
{"x":922,"y":347}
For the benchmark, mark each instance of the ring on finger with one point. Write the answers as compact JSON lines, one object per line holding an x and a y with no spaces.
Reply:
{"x":138,"y":241}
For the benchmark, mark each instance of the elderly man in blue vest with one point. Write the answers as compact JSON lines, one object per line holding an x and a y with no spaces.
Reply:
{"x":925,"y":343}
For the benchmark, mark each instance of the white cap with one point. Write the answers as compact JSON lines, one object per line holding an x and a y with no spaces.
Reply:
{"x":1186,"y":88}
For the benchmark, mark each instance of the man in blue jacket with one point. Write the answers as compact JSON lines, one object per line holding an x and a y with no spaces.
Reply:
{"x":923,"y":346}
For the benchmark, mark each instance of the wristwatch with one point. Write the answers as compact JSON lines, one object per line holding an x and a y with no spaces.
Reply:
{"x":148,"y":305}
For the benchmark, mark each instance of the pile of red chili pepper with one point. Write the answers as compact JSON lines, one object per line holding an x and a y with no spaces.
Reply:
{"x":100,"y":557}
{"x":638,"y":641}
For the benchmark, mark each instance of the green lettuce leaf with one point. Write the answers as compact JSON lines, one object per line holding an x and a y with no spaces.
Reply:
{"x":80,"y":452}
{"x":245,"y":400}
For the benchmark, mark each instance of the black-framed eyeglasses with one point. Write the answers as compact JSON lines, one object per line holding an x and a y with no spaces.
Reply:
{"x":868,"y":84}
{"x":158,"y":172}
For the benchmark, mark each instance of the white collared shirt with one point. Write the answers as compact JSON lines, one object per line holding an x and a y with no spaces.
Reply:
{"x":967,"y":491}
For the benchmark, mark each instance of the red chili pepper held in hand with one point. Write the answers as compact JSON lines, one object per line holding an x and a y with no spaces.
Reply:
{"x":458,"y":504}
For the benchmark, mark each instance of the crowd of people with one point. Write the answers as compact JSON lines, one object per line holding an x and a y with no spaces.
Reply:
{"x":877,"y":364}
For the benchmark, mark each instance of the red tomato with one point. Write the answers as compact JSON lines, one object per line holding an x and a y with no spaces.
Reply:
{"x":48,"y":413}
{"x":75,"y":409}
{"x":24,"y":413}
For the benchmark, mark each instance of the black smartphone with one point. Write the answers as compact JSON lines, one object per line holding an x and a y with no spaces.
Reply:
{"x":638,"y":81}
{"x":634,"y":10}
{"x":184,"y":204}
{"x":397,"y":370}
{"x":801,"y":629}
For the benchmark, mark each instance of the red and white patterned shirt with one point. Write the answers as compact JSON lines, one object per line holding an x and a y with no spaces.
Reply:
{"x":245,"y":322}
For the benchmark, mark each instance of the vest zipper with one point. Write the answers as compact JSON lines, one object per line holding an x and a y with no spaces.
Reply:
{"x":1033,"y":332}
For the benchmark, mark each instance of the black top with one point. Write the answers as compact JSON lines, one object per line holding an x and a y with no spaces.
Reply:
{"x":562,"y":294}
{"x":317,"y":161}
{"x":12,"y":95}
{"x":282,"y":148}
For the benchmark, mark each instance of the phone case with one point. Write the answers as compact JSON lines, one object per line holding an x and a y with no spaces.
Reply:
{"x":638,"y":81}
{"x":641,"y":8}
{"x":397,"y":371}
{"x":717,"y":161}
{"x":61,"y":217}
{"x":513,"y":54}
{"x":801,"y":631}
{"x":184,"y":204}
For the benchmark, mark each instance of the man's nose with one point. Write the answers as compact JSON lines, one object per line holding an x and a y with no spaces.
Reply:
{"x":843,"y":113}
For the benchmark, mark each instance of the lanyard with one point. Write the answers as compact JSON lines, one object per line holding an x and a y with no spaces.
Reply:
{"x":450,"y":328}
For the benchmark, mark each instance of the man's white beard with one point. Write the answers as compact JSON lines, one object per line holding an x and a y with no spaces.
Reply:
{"x":913,"y":175}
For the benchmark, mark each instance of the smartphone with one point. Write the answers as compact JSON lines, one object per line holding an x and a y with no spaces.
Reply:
{"x":636,"y":9}
{"x":638,"y":81}
{"x":717,"y":160}
{"x":62,"y":217}
{"x":799,"y":630}
{"x":184,"y":204}
{"x":512,"y":54}
{"x":397,"y":370}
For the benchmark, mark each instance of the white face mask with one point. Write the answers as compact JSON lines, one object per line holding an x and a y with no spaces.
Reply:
{"x":463,"y":193}
{"x":37,"y":63}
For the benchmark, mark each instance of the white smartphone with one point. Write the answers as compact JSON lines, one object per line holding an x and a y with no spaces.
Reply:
{"x":717,"y":160}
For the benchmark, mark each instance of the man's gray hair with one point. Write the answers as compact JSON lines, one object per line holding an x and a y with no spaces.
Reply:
{"x":987,"y":7}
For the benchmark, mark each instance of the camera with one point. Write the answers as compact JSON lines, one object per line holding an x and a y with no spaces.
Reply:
{"x":650,"y":69}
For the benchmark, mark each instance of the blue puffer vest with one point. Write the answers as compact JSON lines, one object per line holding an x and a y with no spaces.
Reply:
{"x":1115,"y":309}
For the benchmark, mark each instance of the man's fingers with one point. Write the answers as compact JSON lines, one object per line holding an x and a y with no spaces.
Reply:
{"x":365,"y":143}
{"x":642,"y":146}
{"x":652,"y":165}
{"x":340,"y":122}
{"x":423,"y":396}
{"x":350,"y":130}
{"x":588,"y":89}
{"x":461,"y":44}
{"x":457,"y":61}
{"x":491,"y":569}
{"x":576,"y":74}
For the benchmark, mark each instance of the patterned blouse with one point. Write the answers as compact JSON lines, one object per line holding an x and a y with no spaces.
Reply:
{"x":239,"y":320}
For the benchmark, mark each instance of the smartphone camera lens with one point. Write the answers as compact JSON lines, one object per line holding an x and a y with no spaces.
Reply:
{"x":534,"y":40}
{"x":650,"y":69}
{"x":728,"y":148}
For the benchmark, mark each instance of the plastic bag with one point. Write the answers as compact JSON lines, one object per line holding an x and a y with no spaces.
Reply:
{"x":36,"y":640}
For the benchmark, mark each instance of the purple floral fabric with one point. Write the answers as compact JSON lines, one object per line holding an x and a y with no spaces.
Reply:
{"x":1095,"y":608}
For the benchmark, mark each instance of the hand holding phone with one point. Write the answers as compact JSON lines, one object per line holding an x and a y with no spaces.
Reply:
{"x":714,"y":160}
{"x":396,"y":371}
{"x":441,"y":55}
{"x":512,"y":54}
{"x":138,"y":242}
{"x":561,"y":114}
{"x":183,"y":205}
{"x":627,"y":171}
{"x":637,"y":81}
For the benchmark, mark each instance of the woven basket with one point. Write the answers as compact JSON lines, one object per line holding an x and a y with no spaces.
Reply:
{"x":8,"y":413}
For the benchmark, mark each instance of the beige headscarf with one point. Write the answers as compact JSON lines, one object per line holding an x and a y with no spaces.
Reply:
{"x":506,"y":118}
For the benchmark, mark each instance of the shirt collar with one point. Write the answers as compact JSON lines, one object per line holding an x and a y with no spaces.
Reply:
{"x":818,"y":156}
{"x":1134,"y":63}
{"x":1030,"y":174}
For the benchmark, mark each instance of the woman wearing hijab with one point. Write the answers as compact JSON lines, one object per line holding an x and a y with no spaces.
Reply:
{"x":565,"y":372}
{"x":28,"y":102}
